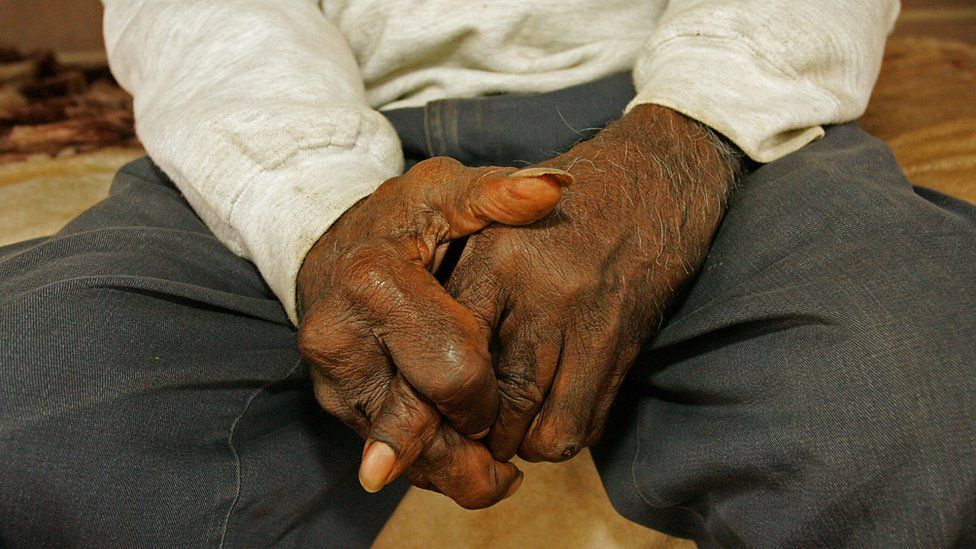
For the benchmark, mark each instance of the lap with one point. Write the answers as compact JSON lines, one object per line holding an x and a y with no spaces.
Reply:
{"x":152,"y":391}
{"x":816,"y":385}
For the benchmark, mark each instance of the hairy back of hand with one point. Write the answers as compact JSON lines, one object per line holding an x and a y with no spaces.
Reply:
{"x":571,"y":298}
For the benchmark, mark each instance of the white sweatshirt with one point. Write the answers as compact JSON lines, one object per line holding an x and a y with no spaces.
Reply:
{"x":263,"y":112}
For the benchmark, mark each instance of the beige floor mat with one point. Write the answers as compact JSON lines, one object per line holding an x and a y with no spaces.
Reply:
{"x":559,"y":505}
{"x":38,"y":196}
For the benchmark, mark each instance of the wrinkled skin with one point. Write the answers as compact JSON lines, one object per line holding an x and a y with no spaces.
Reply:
{"x":565,"y":302}
{"x":569,"y":300}
{"x":390,"y":351}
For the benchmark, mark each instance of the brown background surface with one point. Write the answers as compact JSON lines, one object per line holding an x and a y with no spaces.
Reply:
{"x":75,"y":25}
{"x":61,"y":25}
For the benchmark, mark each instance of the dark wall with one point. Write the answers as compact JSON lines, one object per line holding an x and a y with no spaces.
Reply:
{"x":61,"y":25}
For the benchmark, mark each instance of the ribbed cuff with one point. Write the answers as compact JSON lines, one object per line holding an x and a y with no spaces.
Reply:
{"x":284,"y":212}
{"x":766,"y":111}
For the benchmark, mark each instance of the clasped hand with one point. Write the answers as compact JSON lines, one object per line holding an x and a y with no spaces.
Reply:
{"x":569,"y":267}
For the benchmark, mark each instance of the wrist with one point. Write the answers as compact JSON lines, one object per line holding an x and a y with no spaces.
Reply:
{"x":671,"y":145}
{"x":685,"y":173}
{"x":652,"y":123}
{"x":311,"y":278}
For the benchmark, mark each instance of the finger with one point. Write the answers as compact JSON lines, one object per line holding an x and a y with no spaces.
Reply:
{"x":347,"y":367}
{"x":401,"y":429}
{"x":333,"y":401}
{"x":397,"y":430}
{"x":560,"y":429}
{"x":525,"y":367}
{"x":358,"y":386}
{"x":477,"y":197}
{"x":439,"y":347}
{"x":416,"y":478}
{"x":464,"y":471}
{"x":526,"y":355}
{"x":355,"y":381}
{"x":608,"y":394}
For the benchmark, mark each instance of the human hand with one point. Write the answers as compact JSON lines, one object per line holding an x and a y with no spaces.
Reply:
{"x":571,"y":298}
{"x":390,"y":351}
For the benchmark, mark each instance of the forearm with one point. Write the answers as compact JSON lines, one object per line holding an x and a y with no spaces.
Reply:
{"x":257,"y":112}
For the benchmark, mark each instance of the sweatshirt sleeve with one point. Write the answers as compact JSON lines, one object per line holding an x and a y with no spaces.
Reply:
{"x":257,"y":111}
{"x":767,"y":74}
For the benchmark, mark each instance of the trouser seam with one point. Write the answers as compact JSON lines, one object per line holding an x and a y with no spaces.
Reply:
{"x":647,"y":499}
{"x":236,"y":455}
{"x":431,"y":118}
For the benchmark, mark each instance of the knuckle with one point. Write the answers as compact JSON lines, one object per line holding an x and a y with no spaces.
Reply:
{"x":430,"y":171}
{"x":387,"y":189}
{"x":520,"y":391}
{"x":437,"y":453}
{"x":463,"y":372}
{"x":469,"y":377}
{"x":407,"y":427}
{"x":307,"y":342}
{"x":314,"y":345}
{"x":549,"y":442}
{"x":577,"y":284}
{"x":368,"y":282}
{"x":315,"y":322}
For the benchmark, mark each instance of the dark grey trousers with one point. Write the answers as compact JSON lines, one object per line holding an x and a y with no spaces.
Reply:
{"x":816,"y":387}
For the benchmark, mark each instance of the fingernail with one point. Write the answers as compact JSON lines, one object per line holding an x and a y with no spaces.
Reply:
{"x":515,"y":486}
{"x":562,"y":177}
{"x":376,"y":466}
{"x":481,"y":435}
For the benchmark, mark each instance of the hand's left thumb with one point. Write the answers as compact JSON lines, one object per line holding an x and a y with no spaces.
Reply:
{"x":516,"y":198}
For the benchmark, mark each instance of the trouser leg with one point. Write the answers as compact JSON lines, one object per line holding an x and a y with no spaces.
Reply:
{"x":818,"y":385}
{"x":152,"y":392}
